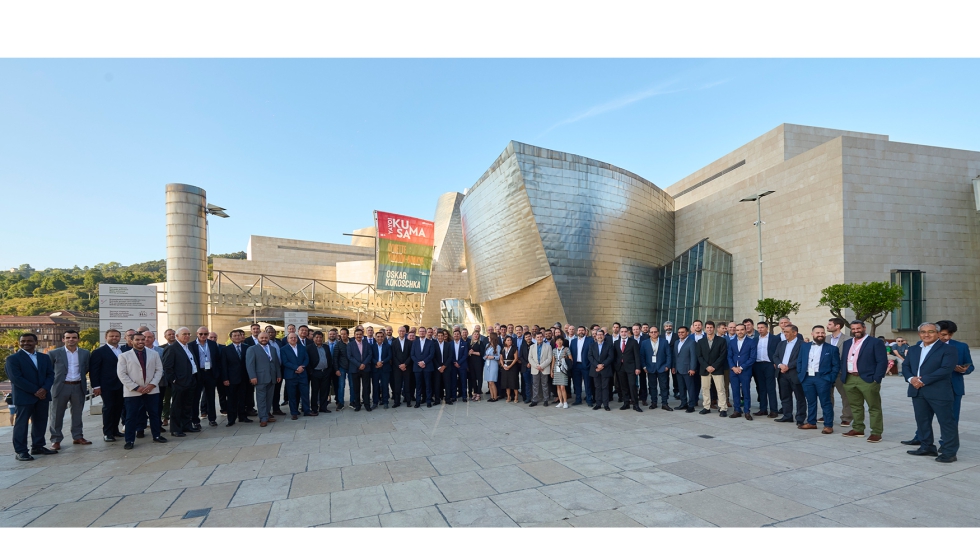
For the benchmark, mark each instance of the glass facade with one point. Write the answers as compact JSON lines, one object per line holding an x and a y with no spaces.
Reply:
{"x":459,"y":312}
{"x":909,"y":315}
{"x":696,"y":285}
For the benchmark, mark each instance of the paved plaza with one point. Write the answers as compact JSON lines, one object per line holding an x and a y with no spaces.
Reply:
{"x":503,"y":465}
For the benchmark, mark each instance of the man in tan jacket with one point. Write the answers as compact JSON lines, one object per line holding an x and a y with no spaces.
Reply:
{"x":140,"y":371}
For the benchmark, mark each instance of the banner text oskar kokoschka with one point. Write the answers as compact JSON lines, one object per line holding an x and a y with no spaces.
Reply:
{"x":405,"y":247}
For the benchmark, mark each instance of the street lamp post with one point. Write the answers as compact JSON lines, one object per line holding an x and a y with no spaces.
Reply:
{"x":757,"y":198}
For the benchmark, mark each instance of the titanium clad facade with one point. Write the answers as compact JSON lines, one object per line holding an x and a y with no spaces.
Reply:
{"x":586,"y":238}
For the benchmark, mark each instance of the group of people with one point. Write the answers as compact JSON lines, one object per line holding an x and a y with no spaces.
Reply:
{"x":181,"y":382}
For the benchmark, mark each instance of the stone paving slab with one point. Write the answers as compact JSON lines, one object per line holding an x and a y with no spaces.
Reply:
{"x":503,"y":465}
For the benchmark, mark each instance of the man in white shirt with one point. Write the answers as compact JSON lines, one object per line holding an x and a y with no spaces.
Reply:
{"x":764,"y":371}
{"x":70,"y":368}
{"x":837,"y":338}
{"x":697,"y":329}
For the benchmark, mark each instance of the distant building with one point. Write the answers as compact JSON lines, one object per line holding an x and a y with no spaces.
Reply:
{"x":50,"y":329}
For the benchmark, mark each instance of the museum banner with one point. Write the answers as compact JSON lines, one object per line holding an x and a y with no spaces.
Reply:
{"x":405,"y":248}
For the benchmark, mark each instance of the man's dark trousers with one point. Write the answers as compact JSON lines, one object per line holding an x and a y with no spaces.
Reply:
{"x":37,"y":415}
{"x":137,"y":409}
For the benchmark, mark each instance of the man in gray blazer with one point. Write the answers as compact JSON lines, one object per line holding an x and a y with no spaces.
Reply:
{"x":70,"y":386}
{"x":836,"y":336}
{"x":264,"y":371}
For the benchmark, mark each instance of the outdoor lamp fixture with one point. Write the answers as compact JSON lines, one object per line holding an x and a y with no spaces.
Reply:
{"x":757,"y":198}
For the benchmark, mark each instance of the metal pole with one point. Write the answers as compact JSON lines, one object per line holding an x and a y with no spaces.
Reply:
{"x":759,"y":206}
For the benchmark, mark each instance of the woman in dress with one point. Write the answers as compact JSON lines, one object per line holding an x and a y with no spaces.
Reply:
{"x":491,"y":361}
{"x":510,"y":365}
{"x":562,"y":363}
{"x":475,"y":366}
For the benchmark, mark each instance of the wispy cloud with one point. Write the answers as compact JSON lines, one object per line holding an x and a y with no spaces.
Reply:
{"x":618,"y":103}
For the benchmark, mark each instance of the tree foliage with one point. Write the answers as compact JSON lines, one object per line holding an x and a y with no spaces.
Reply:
{"x":772,"y":309}
{"x":9,"y":343}
{"x":870,"y":302}
{"x":89,"y":339}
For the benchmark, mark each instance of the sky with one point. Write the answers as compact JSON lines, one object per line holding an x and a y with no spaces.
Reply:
{"x":308,"y":148}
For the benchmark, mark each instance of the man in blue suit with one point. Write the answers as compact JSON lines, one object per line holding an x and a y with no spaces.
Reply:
{"x":964,"y":366}
{"x":579,"y":347}
{"x":685,"y":363}
{"x":361,"y":368}
{"x":460,"y":352}
{"x":818,"y":366}
{"x":423,"y":352}
{"x":657,"y":358}
{"x":380,"y":368}
{"x":741,"y":359}
{"x":928,"y":368}
{"x":764,"y":370}
{"x":31,"y":374}
{"x":863,"y":366}
{"x":294,"y":361}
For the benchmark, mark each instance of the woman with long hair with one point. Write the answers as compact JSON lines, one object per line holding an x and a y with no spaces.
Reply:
{"x":475,"y":366}
{"x":510,"y":367}
{"x":561,"y":364}
{"x":491,"y":359}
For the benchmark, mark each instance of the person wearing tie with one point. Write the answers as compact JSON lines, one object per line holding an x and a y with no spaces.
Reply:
{"x":71,"y":367}
{"x":321,"y":373}
{"x":628,"y":362}
{"x":818,"y":365}
{"x":741,"y":359}
{"x":686,"y":365}
{"x":105,"y":383}
{"x":264,"y":371}
{"x":928,"y":368}
{"x":601,"y":358}
{"x":423,"y":358}
{"x":294,"y":363}
{"x":234,"y":377}
{"x":790,"y":387}
{"x":208,"y":366}
{"x":460,"y":366}
{"x":381,"y":369}
{"x":401,"y":368}
{"x":31,"y":375}
{"x":140,"y":371}
{"x":359,"y":355}
{"x":180,"y":368}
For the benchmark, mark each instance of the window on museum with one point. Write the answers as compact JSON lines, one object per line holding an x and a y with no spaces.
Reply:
{"x":909,"y":315}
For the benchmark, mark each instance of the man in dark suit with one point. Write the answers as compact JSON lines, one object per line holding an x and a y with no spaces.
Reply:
{"x":602,"y":355}
{"x":657,"y":359}
{"x":423,"y":359}
{"x":459,"y":350}
{"x":180,"y":369}
{"x":105,"y":383}
{"x":928,"y":368}
{"x":321,"y":372}
{"x":764,"y":370}
{"x":294,"y":361}
{"x":787,"y":353}
{"x":863,"y":366}
{"x":818,"y":367}
{"x":579,"y":347}
{"x":443,"y":359}
{"x":712,"y":359}
{"x":741,"y":359}
{"x":359,"y":355}
{"x":71,"y":367}
{"x":208,"y":361}
{"x":627,"y":362}
{"x":234,"y":377}
{"x":401,"y":366}
{"x":685,"y":364}
{"x":380,"y":368}
{"x":31,"y":374}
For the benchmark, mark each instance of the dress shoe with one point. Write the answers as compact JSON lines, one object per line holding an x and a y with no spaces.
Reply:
{"x":369,"y":408}
{"x":81,"y":441}
{"x":597,"y":407}
{"x":827,"y":430}
{"x":532,"y":404}
{"x":278,"y":411}
{"x":808,"y":426}
{"x":109,"y":439}
{"x":637,"y":408}
{"x":626,"y":406}
{"x":605,"y":407}
{"x":194,"y":429}
{"x":783,"y":419}
{"x":577,"y":401}
{"x":464,"y":400}
{"x":845,"y":422}
{"x":853,"y":433}
{"x":178,"y":434}
{"x":222,"y":411}
{"x":212,"y":423}
{"x":284,"y":403}
{"x":310,"y":414}
{"x":874,"y":438}
{"x":704,"y":411}
{"x":229,"y":424}
{"x":24,"y":457}
{"x":129,"y":445}
{"x":736,"y":415}
{"x":246,"y":420}
{"x":689,"y":409}
{"x":56,"y":446}
{"x":166,"y":422}
{"x":748,"y":416}
{"x":205,"y":414}
{"x":946,"y":458}
{"x":930,"y":452}
{"x":251,"y":412}
{"x":653,"y":406}
{"x":418,"y":405}
{"x":263,"y":424}
{"x":141,"y":434}
{"x":798,"y":424}
{"x":396,"y":405}
{"x":428,"y":405}
{"x":761,"y":413}
{"x":119,"y":434}
{"x":294,"y":417}
{"x":271,"y":419}
{"x":820,"y":419}
{"x":773,"y":415}
{"x":723,"y":414}
{"x":357,"y":408}
{"x":42,"y":451}
{"x":666,"y":407}
{"x":912,"y":441}
{"x":644,"y":402}
{"x":159,"y":439}
{"x":780,"y":411}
